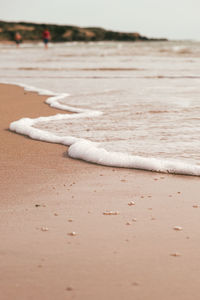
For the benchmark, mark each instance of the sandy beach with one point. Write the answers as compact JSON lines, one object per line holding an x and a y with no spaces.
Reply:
{"x":58,"y":240}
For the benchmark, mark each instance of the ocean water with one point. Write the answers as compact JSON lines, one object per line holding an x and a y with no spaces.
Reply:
{"x":136,"y":105}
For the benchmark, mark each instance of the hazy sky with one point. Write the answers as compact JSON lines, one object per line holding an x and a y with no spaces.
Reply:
{"x":175,"y":19}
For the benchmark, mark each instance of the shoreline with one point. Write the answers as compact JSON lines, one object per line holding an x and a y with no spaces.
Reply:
{"x":83,"y":149}
{"x":46,"y":196}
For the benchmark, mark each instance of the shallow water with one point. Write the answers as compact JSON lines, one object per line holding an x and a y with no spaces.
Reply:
{"x":148,"y":94}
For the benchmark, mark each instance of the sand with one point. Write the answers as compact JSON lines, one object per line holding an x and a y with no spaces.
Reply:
{"x":73,"y":230}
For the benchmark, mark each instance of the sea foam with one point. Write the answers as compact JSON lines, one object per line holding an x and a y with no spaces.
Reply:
{"x":90,"y":151}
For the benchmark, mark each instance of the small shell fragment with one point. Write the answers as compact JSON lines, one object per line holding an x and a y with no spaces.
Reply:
{"x":44,"y":228}
{"x":131,"y":203}
{"x":128,"y":223}
{"x":178,"y":228}
{"x":195,"y":206}
{"x":72,"y":233}
{"x":110,"y":213}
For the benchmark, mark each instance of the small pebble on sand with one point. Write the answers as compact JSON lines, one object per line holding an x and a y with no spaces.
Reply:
{"x":110,"y":213}
{"x":55,"y":214}
{"x":44,"y":228}
{"x":37,"y":205}
{"x":134,"y":220}
{"x":128,"y":223}
{"x":178,"y":228}
{"x":195,"y":206}
{"x":131,"y":203}
{"x":123,"y":180}
{"x":176,"y":254}
{"x":153,"y":219}
{"x":73,"y":233}
{"x":70,"y":220}
{"x":69,"y":289}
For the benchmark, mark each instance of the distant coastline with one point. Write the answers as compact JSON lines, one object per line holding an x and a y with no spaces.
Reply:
{"x":32,"y":32}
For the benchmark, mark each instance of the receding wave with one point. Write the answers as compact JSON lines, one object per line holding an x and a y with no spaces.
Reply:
{"x":90,"y":151}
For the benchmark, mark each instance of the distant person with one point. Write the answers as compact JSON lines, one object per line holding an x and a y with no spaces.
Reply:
{"x":18,"y":38}
{"x":46,"y":37}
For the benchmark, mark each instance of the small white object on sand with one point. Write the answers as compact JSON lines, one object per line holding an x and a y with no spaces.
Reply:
{"x":131,"y":203}
{"x":178,"y":228}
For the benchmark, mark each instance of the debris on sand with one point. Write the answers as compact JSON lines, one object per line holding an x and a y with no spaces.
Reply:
{"x":110,"y":213}
{"x":176,"y":254}
{"x":178,"y":228}
{"x":131,"y":203}
{"x":195,"y":206}
{"x":128,"y":223}
{"x":44,"y":228}
{"x":72,"y":233}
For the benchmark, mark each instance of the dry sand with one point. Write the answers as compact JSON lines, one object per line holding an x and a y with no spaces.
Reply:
{"x":56,"y":241}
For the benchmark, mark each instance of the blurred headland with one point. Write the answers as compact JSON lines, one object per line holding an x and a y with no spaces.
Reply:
{"x":32,"y":32}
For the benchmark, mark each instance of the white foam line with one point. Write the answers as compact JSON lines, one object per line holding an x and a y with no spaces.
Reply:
{"x":87,"y":150}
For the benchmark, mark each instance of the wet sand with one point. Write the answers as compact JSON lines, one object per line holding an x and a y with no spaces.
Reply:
{"x":73,"y":230}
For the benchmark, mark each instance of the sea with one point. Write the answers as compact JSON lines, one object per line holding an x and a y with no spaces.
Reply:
{"x":136,"y":104}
